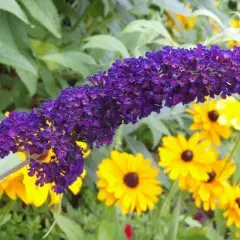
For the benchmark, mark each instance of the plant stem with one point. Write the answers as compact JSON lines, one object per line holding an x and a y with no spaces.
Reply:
{"x":14,"y":169}
{"x":231,"y":154}
{"x":20,"y":165}
{"x":168,"y":197}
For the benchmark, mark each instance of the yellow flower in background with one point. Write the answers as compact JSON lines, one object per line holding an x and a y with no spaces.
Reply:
{"x":14,"y":187}
{"x":213,"y":191}
{"x":128,"y":181}
{"x":179,"y":21}
{"x":21,"y":185}
{"x":229,"y":110}
{"x":181,"y":157}
{"x":215,"y":26}
{"x":235,"y":23}
{"x":206,"y":120}
{"x":232,"y":207}
{"x":186,"y":21}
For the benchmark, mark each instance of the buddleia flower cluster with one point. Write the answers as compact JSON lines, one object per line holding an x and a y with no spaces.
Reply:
{"x":129,"y":90}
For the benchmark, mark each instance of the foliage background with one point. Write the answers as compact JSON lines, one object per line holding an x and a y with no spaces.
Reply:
{"x":47,"y":45}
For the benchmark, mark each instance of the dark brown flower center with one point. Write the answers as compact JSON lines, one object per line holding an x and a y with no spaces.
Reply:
{"x":237,"y":201}
{"x":213,"y":115}
{"x":131,"y":179}
{"x":211,"y":177}
{"x":187,"y":156}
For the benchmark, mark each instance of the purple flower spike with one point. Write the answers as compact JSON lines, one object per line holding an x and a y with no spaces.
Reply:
{"x":128,"y":91}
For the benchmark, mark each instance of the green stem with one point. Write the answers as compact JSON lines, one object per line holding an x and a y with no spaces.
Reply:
{"x":231,"y":154}
{"x":118,"y":138}
{"x":58,"y":211}
{"x":168,"y":197}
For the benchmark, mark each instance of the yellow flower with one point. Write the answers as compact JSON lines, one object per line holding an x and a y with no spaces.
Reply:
{"x":229,"y":110}
{"x":232,"y":43}
{"x":232,"y":208}
{"x":37,"y":195}
{"x":235,"y":24}
{"x":128,"y":181}
{"x":215,"y":26}
{"x":85,"y":149}
{"x":206,"y":119}
{"x":14,"y":187}
{"x":185,"y":21}
{"x":20,"y":185}
{"x":181,"y":157}
{"x":213,"y":191}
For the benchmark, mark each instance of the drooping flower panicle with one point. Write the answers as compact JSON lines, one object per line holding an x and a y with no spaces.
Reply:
{"x":129,"y":90}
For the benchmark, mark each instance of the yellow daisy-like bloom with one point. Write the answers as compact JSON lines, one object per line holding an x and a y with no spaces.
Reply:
{"x":21,"y":185}
{"x":14,"y":187}
{"x":229,"y":110}
{"x":232,"y":208}
{"x":128,"y":181}
{"x":206,"y":119}
{"x":213,"y":191}
{"x":182,"y":158}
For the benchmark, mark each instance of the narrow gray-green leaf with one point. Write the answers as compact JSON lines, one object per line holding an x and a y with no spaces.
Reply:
{"x":143,"y":25}
{"x":12,"y":7}
{"x":13,"y":58}
{"x":106,"y":42}
{"x":75,"y":55}
{"x":157,"y":124}
{"x":28,"y":79}
{"x":173,"y":227}
{"x":72,"y":230}
{"x":73,"y":59}
{"x":45,"y":12}
{"x":5,"y":215}
{"x":207,"y":13}
{"x":137,"y":147}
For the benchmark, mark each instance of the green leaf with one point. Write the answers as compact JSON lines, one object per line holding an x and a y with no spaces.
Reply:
{"x":12,"y":7}
{"x":106,"y":42}
{"x":4,"y":217}
{"x":13,"y":58}
{"x":174,"y":6}
{"x":74,"y":55}
{"x":49,"y":82}
{"x":196,"y":237}
{"x":6,"y":99}
{"x":143,"y":25}
{"x":45,"y":13}
{"x":72,"y":230}
{"x":207,"y":13}
{"x":1,"y":116}
{"x":158,"y":125}
{"x":29,"y":79}
{"x":71,"y":59}
{"x":137,"y":147}
{"x":173,"y":228}
{"x":108,"y":227}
